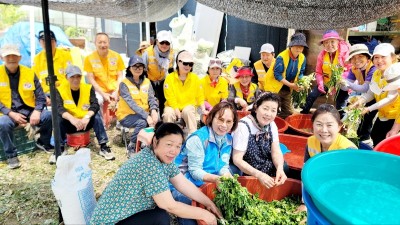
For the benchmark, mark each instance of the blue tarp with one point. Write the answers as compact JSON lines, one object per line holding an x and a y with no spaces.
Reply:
{"x":19,"y":34}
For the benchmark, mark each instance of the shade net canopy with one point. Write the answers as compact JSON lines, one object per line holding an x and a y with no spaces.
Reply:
{"x":295,"y":14}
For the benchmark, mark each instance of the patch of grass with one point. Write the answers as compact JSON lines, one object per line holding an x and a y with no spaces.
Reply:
{"x":25,"y":193}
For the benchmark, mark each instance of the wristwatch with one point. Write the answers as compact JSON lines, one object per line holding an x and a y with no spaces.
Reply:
{"x":87,"y":117}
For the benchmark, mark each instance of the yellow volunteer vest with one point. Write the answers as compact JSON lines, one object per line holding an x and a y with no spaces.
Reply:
{"x":80,"y":110}
{"x":392,"y":110}
{"x":340,"y":143}
{"x":274,"y":85}
{"x":214,"y":95}
{"x":359,"y":75}
{"x":154,"y":73}
{"x":106,"y":78}
{"x":140,"y":96}
{"x":326,"y":66}
{"x":259,"y":67}
{"x":26,"y":87}
{"x":252,"y":91}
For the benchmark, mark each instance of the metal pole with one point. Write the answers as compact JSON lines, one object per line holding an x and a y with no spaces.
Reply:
{"x":52,"y":83}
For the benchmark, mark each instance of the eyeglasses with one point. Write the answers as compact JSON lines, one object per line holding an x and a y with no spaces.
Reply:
{"x":215,"y":61}
{"x":165,"y":43}
{"x":187,"y":63}
{"x":137,"y":67}
{"x":221,"y":121}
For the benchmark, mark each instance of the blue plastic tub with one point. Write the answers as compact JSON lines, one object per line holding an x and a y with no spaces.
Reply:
{"x":354,"y":186}
{"x":314,"y":217}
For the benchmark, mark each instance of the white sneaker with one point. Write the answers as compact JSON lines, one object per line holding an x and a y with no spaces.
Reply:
{"x":105,"y":151}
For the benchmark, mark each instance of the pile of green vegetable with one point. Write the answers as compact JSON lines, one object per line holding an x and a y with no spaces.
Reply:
{"x":241,"y":207}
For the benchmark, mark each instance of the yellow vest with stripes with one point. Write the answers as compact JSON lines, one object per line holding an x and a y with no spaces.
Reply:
{"x":80,"y":110}
{"x":105,"y":78}
{"x":389,"y":111}
{"x":154,"y":73}
{"x":357,"y":73}
{"x":274,"y":85}
{"x":262,"y":73}
{"x":140,"y":96}
{"x":326,"y":66}
{"x":340,"y":143}
{"x":26,"y":87}
{"x":252,"y":91}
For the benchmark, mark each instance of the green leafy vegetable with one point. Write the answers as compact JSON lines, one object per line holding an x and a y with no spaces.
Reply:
{"x":299,"y":98}
{"x":335,"y":79}
{"x":241,"y":207}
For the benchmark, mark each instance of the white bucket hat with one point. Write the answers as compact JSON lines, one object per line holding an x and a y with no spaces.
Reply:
{"x":358,"y":49}
{"x":392,"y":75}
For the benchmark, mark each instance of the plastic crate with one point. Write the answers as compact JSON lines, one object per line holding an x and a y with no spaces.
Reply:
{"x":21,"y":142}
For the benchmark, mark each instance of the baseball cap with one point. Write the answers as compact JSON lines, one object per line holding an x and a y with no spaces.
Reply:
{"x":10,"y":49}
{"x":135,"y":60}
{"x":41,"y":35}
{"x":185,"y":56}
{"x":268,"y":48}
{"x":384,"y":49}
{"x":164,"y":36}
{"x":72,"y":70}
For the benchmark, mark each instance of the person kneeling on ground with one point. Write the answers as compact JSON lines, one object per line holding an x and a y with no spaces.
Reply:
{"x":139,"y":192}
{"x":79,"y":110}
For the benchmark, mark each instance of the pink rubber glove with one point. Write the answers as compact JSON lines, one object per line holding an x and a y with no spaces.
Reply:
{"x":320,"y":83}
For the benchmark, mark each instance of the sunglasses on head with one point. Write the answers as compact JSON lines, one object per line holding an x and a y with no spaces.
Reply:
{"x":164,"y":43}
{"x":215,"y":61}
{"x":187,"y":63}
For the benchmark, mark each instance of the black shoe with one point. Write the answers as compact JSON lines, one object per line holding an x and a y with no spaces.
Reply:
{"x":46,"y":148}
{"x":105,"y":151}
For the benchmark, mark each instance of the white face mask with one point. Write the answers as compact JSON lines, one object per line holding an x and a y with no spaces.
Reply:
{"x":375,"y":88}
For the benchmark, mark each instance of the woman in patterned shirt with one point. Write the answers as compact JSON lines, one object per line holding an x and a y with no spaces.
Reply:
{"x":139,"y":192}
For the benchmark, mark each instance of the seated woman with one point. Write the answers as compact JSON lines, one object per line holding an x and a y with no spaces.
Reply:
{"x":139,"y":192}
{"x":206,"y":153}
{"x":183,"y":92}
{"x":243,"y":93}
{"x":137,"y":107}
{"x":215,"y":87}
{"x":256,"y":149}
{"x":326,"y":127}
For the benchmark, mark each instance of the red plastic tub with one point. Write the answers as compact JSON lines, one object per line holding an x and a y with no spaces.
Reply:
{"x":390,"y":145}
{"x":242,"y":113}
{"x":297,"y":146}
{"x":281,"y":124}
{"x":290,"y":187}
{"x":77,"y":140}
{"x":300,"y":124}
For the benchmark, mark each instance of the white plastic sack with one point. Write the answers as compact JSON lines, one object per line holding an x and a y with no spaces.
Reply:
{"x":73,"y":187}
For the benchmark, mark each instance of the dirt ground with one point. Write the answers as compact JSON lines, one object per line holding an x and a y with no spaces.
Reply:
{"x":25,"y":193}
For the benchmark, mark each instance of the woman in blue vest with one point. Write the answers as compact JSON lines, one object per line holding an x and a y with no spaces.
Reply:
{"x":205,"y":154}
